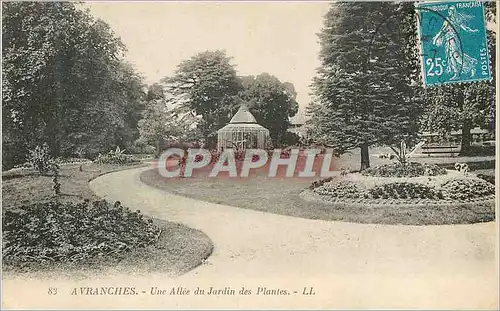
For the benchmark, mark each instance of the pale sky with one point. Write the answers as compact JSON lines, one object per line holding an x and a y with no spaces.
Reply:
{"x":278,"y":38}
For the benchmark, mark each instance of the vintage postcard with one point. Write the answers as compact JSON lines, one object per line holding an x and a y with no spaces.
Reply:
{"x":249,"y":155}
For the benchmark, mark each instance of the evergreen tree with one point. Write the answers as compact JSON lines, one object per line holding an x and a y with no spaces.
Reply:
{"x":208,"y":83}
{"x":367,"y":85}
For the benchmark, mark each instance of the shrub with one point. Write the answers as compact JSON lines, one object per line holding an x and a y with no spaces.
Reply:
{"x":475,"y":165}
{"x":463,"y":189}
{"x":404,"y":190}
{"x":71,"y":160}
{"x":317,"y":183}
{"x":73,"y":232}
{"x":41,"y":160}
{"x":116,"y":157}
{"x":340,"y":189}
{"x":488,"y":178}
{"x":13,"y":152}
{"x":411,"y":169}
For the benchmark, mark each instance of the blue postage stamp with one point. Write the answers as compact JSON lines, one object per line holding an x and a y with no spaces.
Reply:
{"x":453,"y":42}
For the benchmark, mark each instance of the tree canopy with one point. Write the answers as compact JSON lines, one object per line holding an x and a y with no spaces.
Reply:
{"x":272,"y":102}
{"x":208,"y":84}
{"x":64,"y":82}
{"x":366,"y":90}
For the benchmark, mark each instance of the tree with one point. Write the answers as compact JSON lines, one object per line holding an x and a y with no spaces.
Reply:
{"x":64,"y":81}
{"x":207,"y":82}
{"x":366,"y":89}
{"x":164,"y":119}
{"x":272,"y":103}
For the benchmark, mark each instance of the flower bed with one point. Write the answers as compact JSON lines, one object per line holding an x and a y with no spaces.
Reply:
{"x":73,"y":232}
{"x":466,"y":189}
{"x":412,"y":169}
{"x":320,"y":182}
{"x":345,"y":189}
{"x":119,"y":159}
{"x":405,"y":190}
{"x":488,"y":178}
{"x":396,"y":190}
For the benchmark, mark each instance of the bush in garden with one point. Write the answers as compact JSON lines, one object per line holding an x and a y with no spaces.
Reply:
{"x":411,"y":169}
{"x":404,"y":190}
{"x":116,"y":156}
{"x":71,"y":160}
{"x":317,"y":183}
{"x":463,"y":189}
{"x":40,"y":159}
{"x":340,"y":189}
{"x":73,"y":232}
{"x":488,"y":178}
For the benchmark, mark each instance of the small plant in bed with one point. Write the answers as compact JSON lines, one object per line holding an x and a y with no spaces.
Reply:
{"x":488,"y":178}
{"x":405,"y":190}
{"x":40,"y":159}
{"x":341,"y":189}
{"x":465,"y":189}
{"x":85,"y":232}
{"x":410,"y":169}
{"x":116,"y":156}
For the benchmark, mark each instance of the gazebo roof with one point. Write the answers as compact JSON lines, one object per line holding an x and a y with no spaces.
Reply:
{"x":243,"y":116}
{"x":251,"y":127}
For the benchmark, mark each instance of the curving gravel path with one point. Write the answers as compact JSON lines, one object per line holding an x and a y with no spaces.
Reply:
{"x":348,"y":265}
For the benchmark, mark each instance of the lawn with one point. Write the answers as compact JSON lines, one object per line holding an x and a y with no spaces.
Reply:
{"x":178,"y":248}
{"x":282,"y":196}
{"x":25,"y":186}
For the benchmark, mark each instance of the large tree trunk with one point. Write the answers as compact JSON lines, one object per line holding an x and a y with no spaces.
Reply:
{"x":466,"y":137}
{"x":365,"y":157}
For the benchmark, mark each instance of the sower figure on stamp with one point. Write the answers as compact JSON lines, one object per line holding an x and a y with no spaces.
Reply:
{"x":457,"y":61}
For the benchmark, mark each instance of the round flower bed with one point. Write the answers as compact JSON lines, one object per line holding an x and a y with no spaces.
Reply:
{"x":455,"y":187}
{"x":436,"y":198}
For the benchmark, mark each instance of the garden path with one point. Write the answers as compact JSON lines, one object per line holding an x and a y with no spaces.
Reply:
{"x":349,"y":265}
{"x":451,"y":266}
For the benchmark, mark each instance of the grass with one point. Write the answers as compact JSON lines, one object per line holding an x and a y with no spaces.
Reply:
{"x":282,"y":196}
{"x":21,"y":187}
{"x":178,"y":250}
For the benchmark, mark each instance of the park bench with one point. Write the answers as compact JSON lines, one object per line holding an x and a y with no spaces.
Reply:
{"x":441,"y":149}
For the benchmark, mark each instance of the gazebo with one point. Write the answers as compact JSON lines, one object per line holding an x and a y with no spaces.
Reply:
{"x":243,"y":132}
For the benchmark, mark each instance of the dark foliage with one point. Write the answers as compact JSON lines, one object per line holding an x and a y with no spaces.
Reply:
{"x":341,"y":189}
{"x":479,"y":165}
{"x":464,"y":189}
{"x":320,"y":182}
{"x":73,"y":232}
{"x":404,"y":190}
{"x":488,"y":178}
{"x":412,"y":169}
